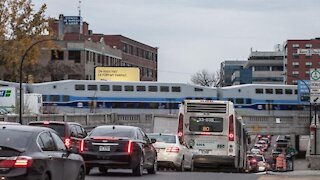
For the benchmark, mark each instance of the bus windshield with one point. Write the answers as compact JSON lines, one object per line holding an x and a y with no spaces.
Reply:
{"x":206,"y":124}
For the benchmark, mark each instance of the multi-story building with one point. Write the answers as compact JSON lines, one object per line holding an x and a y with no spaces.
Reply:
{"x":262,"y":67}
{"x":227,"y":68}
{"x":301,"y":56}
{"x":78,"y":51}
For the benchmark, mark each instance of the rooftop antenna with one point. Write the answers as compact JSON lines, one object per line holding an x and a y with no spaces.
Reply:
{"x":79,"y":8}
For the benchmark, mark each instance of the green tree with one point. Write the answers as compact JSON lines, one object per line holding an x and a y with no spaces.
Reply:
{"x":20,"y":26}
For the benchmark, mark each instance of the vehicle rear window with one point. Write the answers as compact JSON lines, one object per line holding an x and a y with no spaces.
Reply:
{"x":164,"y":138}
{"x":206,"y":124}
{"x":110,"y":132}
{"x":14,"y":139}
{"x":60,"y":128}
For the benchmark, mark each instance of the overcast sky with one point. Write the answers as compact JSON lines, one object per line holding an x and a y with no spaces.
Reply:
{"x":197,"y":34}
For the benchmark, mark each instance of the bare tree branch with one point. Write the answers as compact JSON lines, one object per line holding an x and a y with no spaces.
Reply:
{"x":204,"y":78}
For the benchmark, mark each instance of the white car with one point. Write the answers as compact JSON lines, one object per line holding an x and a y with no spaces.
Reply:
{"x":262,"y":165}
{"x":171,"y":153}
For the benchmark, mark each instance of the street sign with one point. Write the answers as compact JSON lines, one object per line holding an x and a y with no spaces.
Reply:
{"x":315,"y":92}
{"x":303,"y":91}
{"x":314,"y":74}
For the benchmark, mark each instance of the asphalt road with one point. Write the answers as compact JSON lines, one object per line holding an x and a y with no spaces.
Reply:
{"x":167,"y":175}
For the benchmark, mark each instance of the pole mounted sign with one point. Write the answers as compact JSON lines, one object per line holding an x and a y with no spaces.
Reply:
{"x":315,"y":86}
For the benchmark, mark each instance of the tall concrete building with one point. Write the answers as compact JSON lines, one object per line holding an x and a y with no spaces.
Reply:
{"x":301,"y":56}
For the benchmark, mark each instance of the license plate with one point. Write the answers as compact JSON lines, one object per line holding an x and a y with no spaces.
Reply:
{"x":205,"y":151}
{"x":104,"y":148}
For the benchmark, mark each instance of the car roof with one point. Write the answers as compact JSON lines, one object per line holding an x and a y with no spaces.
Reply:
{"x":166,"y":134}
{"x":53,"y":122}
{"x":9,"y":123}
{"x":25,"y":128}
{"x":118,"y":127}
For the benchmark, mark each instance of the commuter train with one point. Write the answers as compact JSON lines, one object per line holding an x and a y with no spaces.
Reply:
{"x":156,"y":97}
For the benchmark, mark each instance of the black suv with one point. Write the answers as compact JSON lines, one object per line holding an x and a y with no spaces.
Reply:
{"x":70,"y":132}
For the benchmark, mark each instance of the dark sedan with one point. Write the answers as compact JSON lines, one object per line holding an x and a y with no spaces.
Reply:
{"x":36,"y":153}
{"x":124,"y":147}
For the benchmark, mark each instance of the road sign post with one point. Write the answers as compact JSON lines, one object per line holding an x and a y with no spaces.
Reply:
{"x":315,"y":99}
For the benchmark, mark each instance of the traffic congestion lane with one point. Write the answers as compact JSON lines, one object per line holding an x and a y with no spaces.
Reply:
{"x":165,"y":175}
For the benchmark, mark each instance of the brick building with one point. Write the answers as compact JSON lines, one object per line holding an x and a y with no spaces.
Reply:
{"x":301,"y":56}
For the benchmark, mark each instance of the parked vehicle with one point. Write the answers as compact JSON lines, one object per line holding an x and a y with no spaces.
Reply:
{"x":70,"y":132}
{"x":171,"y":152}
{"x":115,"y":146}
{"x":31,"y":153}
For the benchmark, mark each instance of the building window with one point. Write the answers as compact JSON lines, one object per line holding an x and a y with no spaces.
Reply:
{"x":295,"y":64}
{"x":295,"y":45}
{"x":57,"y":55}
{"x":104,"y":88}
{"x":92,"y":88}
{"x":295,"y":82}
{"x":141,"y":88}
{"x":128,"y":88}
{"x":279,"y":91}
{"x":308,"y":46}
{"x":295,"y":56}
{"x":308,"y":64}
{"x":79,"y":87}
{"x":308,"y":56}
{"x":269,"y":91}
{"x":295,"y":73}
{"x":116,"y":88}
{"x":259,"y":91}
{"x":74,"y":55}
{"x":175,"y":89}
{"x":164,"y":88}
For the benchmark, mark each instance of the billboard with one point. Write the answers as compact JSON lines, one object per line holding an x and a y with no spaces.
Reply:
{"x":117,"y":73}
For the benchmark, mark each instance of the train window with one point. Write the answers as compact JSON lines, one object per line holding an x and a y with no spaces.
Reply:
{"x":79,"y":87}
{"x":279,"y":91}
{"x":198,"y":89}
{"x":54,"y":98}
{"x":116,"y":88}
{"x":269,"y":91}
{"x":288,"y":91}
{"x":176,"y":89}
{"x":164,"y":88}
{"x":153,"y":88}
{"x":44,"y":98}
{"x":104,"y":88}
{"x":92,"y":88}
{"x":259,"y":91}
{"x":188,"y":98}
{"x":248,"y":101}
{"x":239,"y":101}
{"x":65,"y":98}
{"x":141,"y":88}
{"x":199,"y":98}
{"x":128,"y":88}
{"x":230,"y":99}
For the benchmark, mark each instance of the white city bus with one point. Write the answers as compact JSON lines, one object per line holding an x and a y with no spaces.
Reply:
{"x":212,"y":132}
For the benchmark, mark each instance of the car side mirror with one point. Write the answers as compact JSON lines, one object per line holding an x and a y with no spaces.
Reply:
{"x":153,"y":140}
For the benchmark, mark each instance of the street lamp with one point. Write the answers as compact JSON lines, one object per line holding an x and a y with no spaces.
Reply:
{"x":20,"y":71}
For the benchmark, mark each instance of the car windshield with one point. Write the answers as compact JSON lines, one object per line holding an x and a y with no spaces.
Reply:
{"x":14,"y":139}
{"x":259,"y":158}
{"x":113,"y":132}
{"x":164,"y":138}
{"x":60,"y":128}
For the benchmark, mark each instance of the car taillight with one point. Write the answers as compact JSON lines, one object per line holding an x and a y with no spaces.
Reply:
{"x":231,"y":128}
{"x":254,"y":160}
{"x":180,"y":126}
{"x":67,"y":142}
{"x":16,"y":162}
{"x":130,"y":147}
{"x":172,"y":149}
{"x":81,"y":149}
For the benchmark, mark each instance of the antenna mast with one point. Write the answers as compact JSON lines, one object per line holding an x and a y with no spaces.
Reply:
{"x":79,"y":8}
